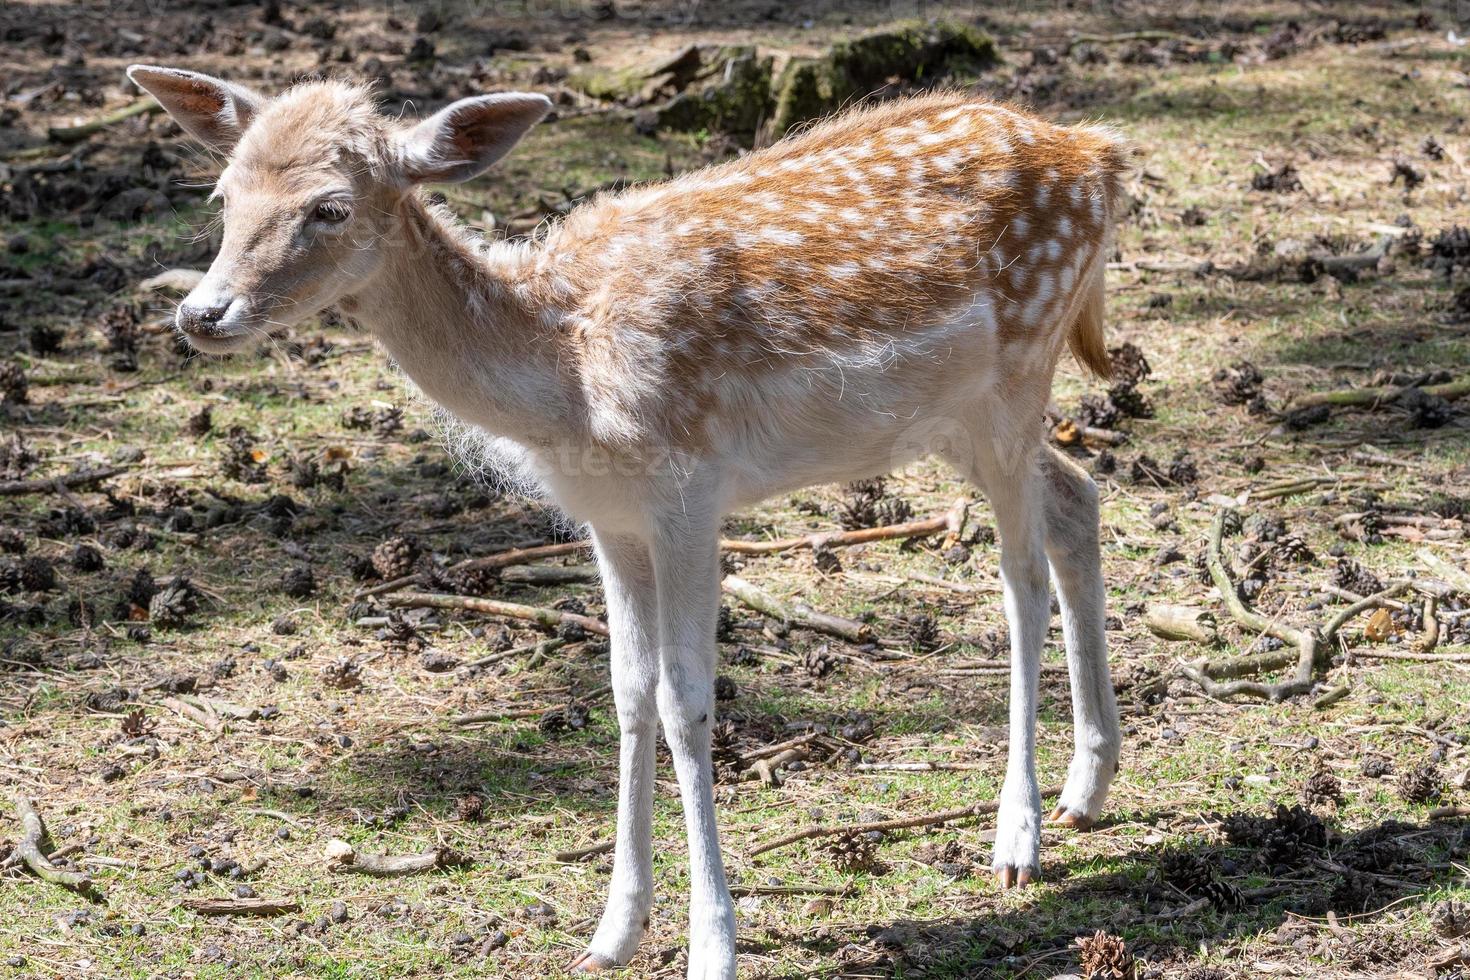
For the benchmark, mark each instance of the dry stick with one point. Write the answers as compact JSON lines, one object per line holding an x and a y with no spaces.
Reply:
{"x":582,"y":853}
{"x":898,"y":823}
{"x":1430,"y":639}
{"x":952,"y":521}
{"x":502,"y":559}
{"x":342,"y":857}
{"x":1181,"y":623}
{"x":1449,"y":391}
{"x":51,"y":484}
{"x":33,"y":832}
{"x":778,"y":747}
{"x":240,"y":906}
{"x":1456,"y":577}
{"x":497,"y":607}
{"x":475,"y":717}
{"x":741,"y":891}
{"x":797,"y":614}
{"x":1375,"y":601}
{"x":1423,"y":658}
{"x":548,"y":574}
{"x":1304,"y":641}
{"x":542,"y":649}
{"x":919,"y":766}
{"x":75,"y":134}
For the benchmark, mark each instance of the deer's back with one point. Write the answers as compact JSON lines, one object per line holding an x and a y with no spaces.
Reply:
{"x":934,"y":220}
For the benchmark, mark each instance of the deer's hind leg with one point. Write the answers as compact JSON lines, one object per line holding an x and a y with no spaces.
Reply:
{"x":1076,"y":568}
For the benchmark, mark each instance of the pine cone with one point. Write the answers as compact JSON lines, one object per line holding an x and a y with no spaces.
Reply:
{"x":1264,"y":527}
{"x":1099,"y":412}
{"x":1376,"y":767}
{"x":470,"y":580}
{"x":399,"y":635}
{"x":1451,"y":919}
{"x":173,"y":604}
{"x":1185,"y":869}
{"x":725,"y":750}
{"x":1421,"y":784}
{"x":240,"y":460}
{"x":1322,"y":788}
{"x":1238,"y":384}
{"x":820,"y":661}
{"x":1105,"y":957}
{"x":572,"y":718}
{"x":1353,"y":577}
{"x":469,"y":808}
{"x":37,"y":574}
{"x":136,"y":724}
{"x":14,"y":385}
{"x":85,"y":558}
{"x":921,"y":631}
{"x":1130,"y":367}
{"x":299,"y":582}
{"x":1291,"y":549}
{"x":201,"y":423}
{"x":361,"y":568}
{"x":396,"y":556}
{"x":1224,"y":896}
{"x":358,"y":419}
{"x":342,"y":673}
{"x":852,"y":851}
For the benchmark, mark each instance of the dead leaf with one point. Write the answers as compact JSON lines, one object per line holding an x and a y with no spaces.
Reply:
{"x":1066,"y":433}
{"x":1380,"y":626}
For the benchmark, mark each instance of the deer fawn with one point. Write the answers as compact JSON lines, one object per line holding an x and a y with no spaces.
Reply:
{"x":895,"y":282}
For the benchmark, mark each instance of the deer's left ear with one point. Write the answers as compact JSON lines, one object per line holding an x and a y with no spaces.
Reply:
{"x":461,"y":140}
{"x":210,"y":109}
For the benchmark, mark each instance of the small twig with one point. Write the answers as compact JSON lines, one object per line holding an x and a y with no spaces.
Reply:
{"x":920,"y":766}
{"x":502,"y":559}
{"x":1430,"y":639}
{"x":582,"y":853}
{"x":768,"y":769}
{"x":1423,"y":658}
{"x":1456,"y":577}
{"x":278,"y":815}
{"x":742,"y":891}
{"x":1377,"y":600}
{"x":55,"y":484}
{"x":33,"y":834}
{"x":797,"y":614}
{"x":898,"y":823}
{"x":476,"y":717}
{"x":73,"y":134}
{"x":496,"y":607}
{"x":952,"y":521}
{"x":240,"y":906}
{"x":538,"y":649}
{"x":1449,"y":391}
{"x":777,"y":748}
{"x":341,"y":856}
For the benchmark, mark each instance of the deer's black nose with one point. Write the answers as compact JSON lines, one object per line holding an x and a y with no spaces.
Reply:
{"x":200,"y":319}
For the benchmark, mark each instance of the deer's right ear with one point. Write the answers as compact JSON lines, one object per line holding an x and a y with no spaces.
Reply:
{"x":210,"y":109}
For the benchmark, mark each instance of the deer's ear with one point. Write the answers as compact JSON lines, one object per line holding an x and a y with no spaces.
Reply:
{"x":462,"y":139}
{"x":212,"y":110}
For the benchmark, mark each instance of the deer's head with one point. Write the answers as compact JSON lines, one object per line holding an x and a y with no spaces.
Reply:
{"x":312,"y":186}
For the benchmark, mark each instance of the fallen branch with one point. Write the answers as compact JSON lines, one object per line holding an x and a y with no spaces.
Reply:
{"x":1181,"y":623}
{"x":1458,"y":578}
{"x":341,"y":856}
{"x":1383,"y":395}
{"x":33,"y":834}
{"x":544,"y":575}
{"x":54,"y":484}
{"x":797,"y":614}
{"x":898,"y":823}
{"x":75,"y":134}
{"x":1209,"y":676}
{"x":535,"y":649}
{"x":240,"y":906}
{"x":496,"y":607}
{"x":742,"y":891}
{"x":1423,"y":658}
{"x":501,"y":559}
{"x":952,"y":521}
{"x":582,"y":853}
{"x":768,"y":769}
{"x":1128,"y":37}
{"x":919,"y":766}
{"x":476,"y":717}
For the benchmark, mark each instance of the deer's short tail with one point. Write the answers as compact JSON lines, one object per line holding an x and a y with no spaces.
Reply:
{"x":1112,"y":152}
{"x":1085,"y":336}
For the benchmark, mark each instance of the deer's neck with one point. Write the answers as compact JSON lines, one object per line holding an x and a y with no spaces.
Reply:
{"x":466,"y":323}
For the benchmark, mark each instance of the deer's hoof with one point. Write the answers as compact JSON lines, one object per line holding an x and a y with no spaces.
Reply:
{"x":1008,"y":876}
{"x":1068,"y":818}
{"x":590,"y":962}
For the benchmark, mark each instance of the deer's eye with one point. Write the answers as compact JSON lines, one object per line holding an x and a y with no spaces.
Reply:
{"x":330,"y":212}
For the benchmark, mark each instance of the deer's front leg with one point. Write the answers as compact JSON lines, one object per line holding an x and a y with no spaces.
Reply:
{"x":687,"y":569}
{"x":1017,"y":856}
{"x":632,"y":609}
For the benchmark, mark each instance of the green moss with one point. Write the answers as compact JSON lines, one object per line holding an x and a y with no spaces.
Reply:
{"x":607,"y":84}
{"x":737,"y":101}
{"x":809,"y":88}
